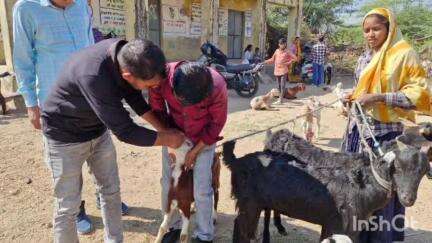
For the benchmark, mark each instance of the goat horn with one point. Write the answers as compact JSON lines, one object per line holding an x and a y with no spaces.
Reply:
{"x":400,"y":143}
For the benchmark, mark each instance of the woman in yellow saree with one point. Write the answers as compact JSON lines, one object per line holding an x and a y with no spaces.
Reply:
{"x":390,"y":86}
{"x":294,"y":75}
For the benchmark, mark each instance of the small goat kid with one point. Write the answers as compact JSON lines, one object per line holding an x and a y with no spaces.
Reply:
{"x":180,"y":195}
{"x":327,"y":188}
{"x":339,"y":106}
{"x":264,"y":102}
{"x":313,"y":117}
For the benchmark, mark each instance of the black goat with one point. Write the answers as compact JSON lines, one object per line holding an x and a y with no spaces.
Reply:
{"x":330,"y":193}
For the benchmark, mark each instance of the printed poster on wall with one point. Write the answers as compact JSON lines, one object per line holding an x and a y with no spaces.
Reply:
{"x":195,"y":28}
{"x":174,"y":20}
{"x":112,"y":17}
{"x":223,"y":21}
{"x":248,"y":24}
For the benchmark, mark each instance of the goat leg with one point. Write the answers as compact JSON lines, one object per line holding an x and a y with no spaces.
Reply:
{"x":278,"y":223}
{"x":325,"y":232}
{"x":318,"y":126}
{"x":266,"y":231}
{"x":3,"y":104}
{"x":185,"y":227}
{"x":163,"y":229}
{"x":215,"y":204}
{"x":238,"y":237}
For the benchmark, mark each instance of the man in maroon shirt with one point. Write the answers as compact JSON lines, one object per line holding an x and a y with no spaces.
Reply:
{"x":193,"y":99}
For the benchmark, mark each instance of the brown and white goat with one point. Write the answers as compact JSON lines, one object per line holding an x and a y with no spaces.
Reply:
{"x":312,"y":117}
{"x":180,"y":195}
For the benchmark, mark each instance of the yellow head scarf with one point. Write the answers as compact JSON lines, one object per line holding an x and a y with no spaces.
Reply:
{"x":395,"y":68}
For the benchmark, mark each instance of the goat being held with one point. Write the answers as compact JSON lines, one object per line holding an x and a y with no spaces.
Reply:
{"x":331,"y":189}
{"x":181,"y":191}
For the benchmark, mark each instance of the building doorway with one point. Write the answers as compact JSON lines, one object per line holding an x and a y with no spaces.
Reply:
{"x":235,"y":34}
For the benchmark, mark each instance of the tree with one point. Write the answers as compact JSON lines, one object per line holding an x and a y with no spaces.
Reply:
{"x":321,"y":16}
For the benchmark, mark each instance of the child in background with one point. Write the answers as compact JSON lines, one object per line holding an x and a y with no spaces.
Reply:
{"x":282,"y":59}
{"x":257,"y":56}
{"x":248,"y":55}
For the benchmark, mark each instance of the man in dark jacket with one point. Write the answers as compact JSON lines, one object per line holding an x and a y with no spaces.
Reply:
{"x":86,"y":102}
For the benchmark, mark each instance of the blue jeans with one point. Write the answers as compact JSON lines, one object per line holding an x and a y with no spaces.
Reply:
{"x":203,"y":193}
{"x":65,"y":161}
{"x":318,"y":74}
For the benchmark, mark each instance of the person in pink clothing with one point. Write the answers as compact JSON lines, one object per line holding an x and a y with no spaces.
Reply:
{"x":282,"y":59}
{"x":193,"y":99}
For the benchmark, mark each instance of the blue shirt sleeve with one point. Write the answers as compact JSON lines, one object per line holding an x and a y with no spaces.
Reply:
{"x":23,"y":54}
{"x":90,"y":27}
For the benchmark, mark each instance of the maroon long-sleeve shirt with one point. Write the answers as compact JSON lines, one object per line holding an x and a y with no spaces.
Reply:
{"x":200,"y":122}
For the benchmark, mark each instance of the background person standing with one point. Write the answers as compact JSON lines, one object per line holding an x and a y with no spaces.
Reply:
{"x":319,"y":54}
{"x":282,"y":59}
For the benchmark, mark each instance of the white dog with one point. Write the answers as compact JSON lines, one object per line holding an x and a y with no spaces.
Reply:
{"x":263,"y":102}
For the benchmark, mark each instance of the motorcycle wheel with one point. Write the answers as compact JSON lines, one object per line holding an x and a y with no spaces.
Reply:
{"x":249,"y":91}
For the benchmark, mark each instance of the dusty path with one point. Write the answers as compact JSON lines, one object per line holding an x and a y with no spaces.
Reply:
{"x":25,"y":184}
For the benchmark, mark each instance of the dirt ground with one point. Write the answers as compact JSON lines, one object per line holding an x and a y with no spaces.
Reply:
{"x":25,"y":182}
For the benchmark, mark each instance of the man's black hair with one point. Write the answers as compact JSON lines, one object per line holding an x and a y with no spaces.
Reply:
{"x":142,"y":59}
{"x":321,"y":38}
{"x":192,"y":83}
{"x":282,"y":41}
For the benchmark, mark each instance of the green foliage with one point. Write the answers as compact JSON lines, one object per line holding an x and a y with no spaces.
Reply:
{"x":348,"y":35}
{"x":277,"y":16}
{"x":320,"y":16}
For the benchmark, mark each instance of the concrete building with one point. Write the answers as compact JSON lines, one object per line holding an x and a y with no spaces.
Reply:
{"x":181,"y":26}
{"x":178,"y":26}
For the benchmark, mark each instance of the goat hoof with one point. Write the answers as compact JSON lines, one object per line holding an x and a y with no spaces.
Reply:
{"x":160,"y":235}
{"x":283,"y":232}
{"x":183,"y":238}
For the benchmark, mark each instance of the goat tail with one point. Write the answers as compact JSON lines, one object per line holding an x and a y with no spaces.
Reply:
{"x":228,"y":153}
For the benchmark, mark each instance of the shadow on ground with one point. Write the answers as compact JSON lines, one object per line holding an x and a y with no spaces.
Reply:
{"x":147,"y":221}
{"x":418,"y":236}
{"x":11,"y":115}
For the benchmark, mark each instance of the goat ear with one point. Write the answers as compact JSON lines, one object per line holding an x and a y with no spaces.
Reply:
{"x":428,"y":151}
{"x":410,"y":140}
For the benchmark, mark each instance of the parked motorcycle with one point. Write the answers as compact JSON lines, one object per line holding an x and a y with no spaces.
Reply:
{"x":243,"y":78}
